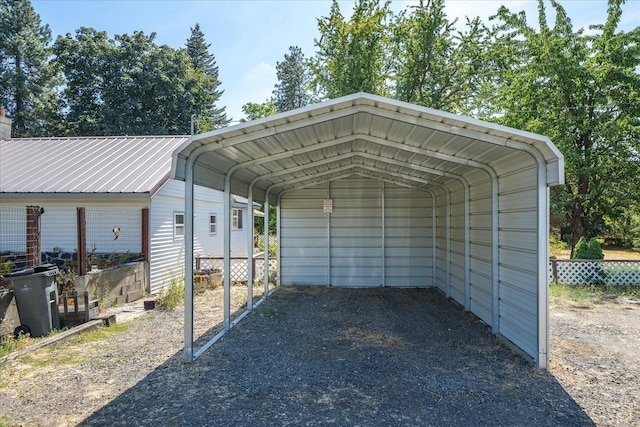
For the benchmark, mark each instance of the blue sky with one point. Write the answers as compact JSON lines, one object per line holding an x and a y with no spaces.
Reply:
{"x":248,"y":38}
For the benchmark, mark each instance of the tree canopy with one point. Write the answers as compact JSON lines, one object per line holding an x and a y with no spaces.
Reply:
{"x":27,"y":79}
{"x":203,"y":61}
{"x":582,"y":90}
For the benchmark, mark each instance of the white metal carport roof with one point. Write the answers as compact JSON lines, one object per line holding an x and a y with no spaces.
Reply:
{"x":367,"y":135}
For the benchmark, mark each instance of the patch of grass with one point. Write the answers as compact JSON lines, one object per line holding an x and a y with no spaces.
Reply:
{"x":171,"y":297}
{"x":43,"y":357}
{"x":591,"y":294}
{"x":269,"y":312}
{"x":9,"y":344}
{"x":98,"y":334}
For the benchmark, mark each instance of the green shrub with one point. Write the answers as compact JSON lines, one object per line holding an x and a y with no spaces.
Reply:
{"x":171,"y":297}
{"x":556,"y":245}
{"x":588,"y":249}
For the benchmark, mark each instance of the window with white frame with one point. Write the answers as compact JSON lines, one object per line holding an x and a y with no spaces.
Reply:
{"x":178,"y":225}
{"x":213,"y":223}
{"x":236,"y":219}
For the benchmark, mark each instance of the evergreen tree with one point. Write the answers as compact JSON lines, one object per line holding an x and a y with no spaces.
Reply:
{"x":294,"y":79}
{"x":27,"y":79}
{"x":208,"y":115}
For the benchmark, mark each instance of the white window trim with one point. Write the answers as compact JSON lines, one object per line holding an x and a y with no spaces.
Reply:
{"x":213,"y":233}
{"x":236,"y":219}
{"x":176,"y":226}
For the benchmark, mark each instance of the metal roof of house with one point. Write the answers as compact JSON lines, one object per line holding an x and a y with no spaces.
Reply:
{"x":359,"y":134}
{"x":86,"y":165}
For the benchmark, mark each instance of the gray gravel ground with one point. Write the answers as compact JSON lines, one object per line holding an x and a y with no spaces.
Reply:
{"x":352,"y":357}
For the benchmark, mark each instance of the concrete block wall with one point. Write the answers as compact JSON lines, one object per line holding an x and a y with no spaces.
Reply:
{"x":116,"y":285}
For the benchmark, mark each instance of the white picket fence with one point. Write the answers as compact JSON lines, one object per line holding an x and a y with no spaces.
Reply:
{"x":589,"y":272}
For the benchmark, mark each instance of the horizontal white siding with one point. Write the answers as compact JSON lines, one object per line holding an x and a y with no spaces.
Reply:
{"x":167,"y":252}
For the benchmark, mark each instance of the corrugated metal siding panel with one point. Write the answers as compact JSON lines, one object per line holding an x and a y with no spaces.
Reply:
{"x":441,"y":242}
{"x":408,"y":237}
{"x":457,"y":245}
{"x":356,"y":233}
{"x":481,"y":285}
{"x":518,"y":255}
{"x":303,"y":238}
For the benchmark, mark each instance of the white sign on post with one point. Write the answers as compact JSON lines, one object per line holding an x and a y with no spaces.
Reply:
{"x":328,"y":205}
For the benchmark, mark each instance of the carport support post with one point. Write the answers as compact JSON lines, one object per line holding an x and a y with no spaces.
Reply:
{"x":266,"y":242}
{"x":188,"y":262}
{"x":278,"y":239}
{"x":226,"y":274}
{"x":250,"y":249}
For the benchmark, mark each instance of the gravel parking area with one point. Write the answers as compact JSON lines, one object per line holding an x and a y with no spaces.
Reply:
{"x":307,"y":356}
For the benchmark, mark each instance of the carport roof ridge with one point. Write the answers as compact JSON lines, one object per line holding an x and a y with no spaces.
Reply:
{"x":391,"y":137}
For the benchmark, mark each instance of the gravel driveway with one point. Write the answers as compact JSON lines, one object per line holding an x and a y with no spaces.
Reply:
{"x":308,"y":356}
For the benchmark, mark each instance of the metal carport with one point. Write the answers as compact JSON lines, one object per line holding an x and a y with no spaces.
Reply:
{"x":485,"y":239}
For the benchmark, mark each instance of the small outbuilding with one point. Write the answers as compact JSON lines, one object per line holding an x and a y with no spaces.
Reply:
{"x":375,"y":192}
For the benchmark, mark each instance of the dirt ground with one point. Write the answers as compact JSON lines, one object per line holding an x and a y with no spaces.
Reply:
{"x":595,"y":351}
{"x":319,"y":356}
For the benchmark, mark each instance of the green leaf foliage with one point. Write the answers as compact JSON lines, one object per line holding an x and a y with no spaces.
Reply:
{"x":293,"y":89}
{"x":352,"y":55}
{"x":27,"y":79}
{"x":582,"y":90}
{"x":129,"y":85}
{"x":208,"y":116}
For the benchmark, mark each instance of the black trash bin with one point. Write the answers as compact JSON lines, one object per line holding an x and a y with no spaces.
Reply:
{"x":36,"y":295}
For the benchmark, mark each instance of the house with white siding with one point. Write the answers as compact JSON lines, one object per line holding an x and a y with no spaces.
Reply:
{"x":132,"y":207}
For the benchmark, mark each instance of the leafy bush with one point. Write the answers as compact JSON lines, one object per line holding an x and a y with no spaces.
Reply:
{"x":556,"y":245}
{"x":588,"y":249}
{"x":273,"y":246}
{"x":172,"y":296}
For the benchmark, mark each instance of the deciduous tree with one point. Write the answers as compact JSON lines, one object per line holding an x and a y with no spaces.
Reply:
{"x":582,"y":89}
{"x":352,"y":56}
